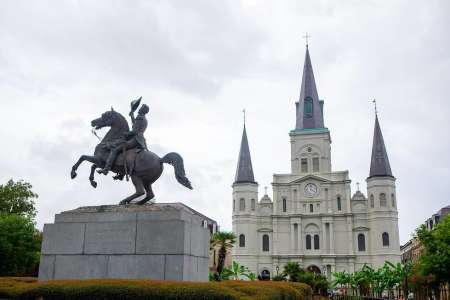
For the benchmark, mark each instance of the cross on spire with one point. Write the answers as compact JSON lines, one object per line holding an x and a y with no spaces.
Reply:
{"x":375,"y":106}
{"x":306,"y":37}
{"x":243,"y":111}
{"x":357,"y":186}
{"x":265,"y":190}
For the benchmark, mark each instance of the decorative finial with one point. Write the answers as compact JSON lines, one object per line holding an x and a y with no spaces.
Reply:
{"x":265,"y":190}
{"x":357,"y":186}
{"x":306,"y":37}
{"x":375,"y":106}
{"x":243,"y":111}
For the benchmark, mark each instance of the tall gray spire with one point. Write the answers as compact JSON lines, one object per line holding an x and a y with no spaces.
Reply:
{"x":244,"y":170}
{"x":308,"y":108}
{"x":379,"y":164}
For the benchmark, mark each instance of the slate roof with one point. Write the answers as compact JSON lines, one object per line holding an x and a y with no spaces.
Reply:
{"x":244,"y":170}
{"x":379,"y":163}
{"x":308,"y":89}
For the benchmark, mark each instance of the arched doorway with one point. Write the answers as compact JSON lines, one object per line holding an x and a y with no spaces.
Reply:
{"x":265,"y":275}
{"x":313,"y":269}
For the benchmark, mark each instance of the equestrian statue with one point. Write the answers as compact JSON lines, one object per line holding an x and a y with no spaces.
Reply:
{"x":125,"y":153}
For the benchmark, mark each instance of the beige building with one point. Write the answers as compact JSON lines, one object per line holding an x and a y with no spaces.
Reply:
{"x":312,"y":217}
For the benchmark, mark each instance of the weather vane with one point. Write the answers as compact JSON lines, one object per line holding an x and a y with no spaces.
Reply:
{"x":306,"y":37}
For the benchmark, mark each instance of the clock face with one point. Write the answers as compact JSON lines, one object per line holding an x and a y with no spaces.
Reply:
{"x":310,"y":190}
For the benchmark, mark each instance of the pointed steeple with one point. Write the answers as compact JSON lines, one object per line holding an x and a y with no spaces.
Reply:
{"x":379,"y":164}
{"x":309,"y":108}
{"x":244,"y":170}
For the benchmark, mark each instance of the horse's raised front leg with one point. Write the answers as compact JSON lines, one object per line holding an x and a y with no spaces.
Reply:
{"x":91,"y":176}
{"x":82,"y":158}
{"x":139,"y":185}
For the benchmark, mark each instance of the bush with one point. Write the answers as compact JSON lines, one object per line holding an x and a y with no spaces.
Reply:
{"x":100,"y":289}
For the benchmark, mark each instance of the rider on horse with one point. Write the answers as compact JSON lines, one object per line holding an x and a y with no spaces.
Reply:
{"x":131,"y":140}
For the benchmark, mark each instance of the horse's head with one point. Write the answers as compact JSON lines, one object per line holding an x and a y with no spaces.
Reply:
{"x":107,"y":119}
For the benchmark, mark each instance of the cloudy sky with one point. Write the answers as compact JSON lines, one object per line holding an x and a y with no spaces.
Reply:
{"x":198,"y":64}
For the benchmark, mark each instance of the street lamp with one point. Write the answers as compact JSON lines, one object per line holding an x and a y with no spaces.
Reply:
{"x":277,"y":268}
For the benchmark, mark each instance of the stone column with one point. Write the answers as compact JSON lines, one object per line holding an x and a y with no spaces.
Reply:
{"x":331,"y":238}
{"x":324,"y":249}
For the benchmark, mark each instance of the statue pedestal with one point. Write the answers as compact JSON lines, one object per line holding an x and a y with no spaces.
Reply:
{"x":158,"y":241}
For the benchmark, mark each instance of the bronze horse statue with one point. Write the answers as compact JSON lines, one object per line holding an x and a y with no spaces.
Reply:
{"x":144,"y":167}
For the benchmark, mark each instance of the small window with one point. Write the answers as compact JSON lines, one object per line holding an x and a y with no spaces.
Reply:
{"x":265,"y":243}
{"x":304,"y":165}
{"x":385,"y":238}
{"x":393,"y":200}
{"x":308,"y":109}
{"x":284,"y":205}
{"x":242,"y":204}
{"x":382,"y":199}
{"x":234,"y":204}
{"x":315,"y":162}
{"x":253,"y":204}
{"x":339,"y":206}
{"x":308,"y":242}
{"x":372,"y":201}
{"x":316,"y":242}
{"x":361,"y":242}
{"x":311,"y":208}
{"x":241,"y":240}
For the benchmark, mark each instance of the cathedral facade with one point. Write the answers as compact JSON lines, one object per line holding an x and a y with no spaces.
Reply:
{"x":312,"y":217}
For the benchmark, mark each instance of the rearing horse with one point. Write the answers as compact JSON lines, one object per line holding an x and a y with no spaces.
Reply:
{"x":147,"y":166}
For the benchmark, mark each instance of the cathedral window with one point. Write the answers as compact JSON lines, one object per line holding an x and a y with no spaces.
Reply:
{"x":316,"y":241}
{"x":339,"y":205}
{"x":253,"y":204}
{"x":308,"y":242}
{"x":372,"y":201}
{"x":308,"y":109}
{"x":382,"y":199}
{"x":241,"y":240}
{"x":242,"y":204}
{"x":311,"y":208}
{"x":385,"y":238}
{"x":265,"y":243}
{"x":304,"y":165}
{"x":393,"y":200}
{"x":361,"y":242}
{"x":284,"y":205}
{"x":315,"y":162}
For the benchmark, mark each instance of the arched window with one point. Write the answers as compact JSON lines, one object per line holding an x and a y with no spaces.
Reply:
{"x":382,"y":199}
{"x":265,"y":243}
{"x":242,"y":204}
{"x":315,"y":163}
{"x":253,"y":204}
{"x":234,"y":204}
{"x":385,"y":238}
{"x":308,"y":108}
{"x":316,"y":241}
{"x":304,"y":165}
{"x":339,"y":206}
{"x":361,"y":242}
{"x":284,"y":205}
{"x":311,"y":208}
{"x":372,"y":201}
{"x":241,"y":240}
{"x":308,"y":241}
{"x":393,"y":200}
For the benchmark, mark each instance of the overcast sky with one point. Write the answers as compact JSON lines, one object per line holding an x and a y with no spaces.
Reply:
{"x":197,"y":64}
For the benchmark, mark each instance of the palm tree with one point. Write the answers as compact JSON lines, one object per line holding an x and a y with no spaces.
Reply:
{"x":223,"y":240}
{"x":236,"y":272}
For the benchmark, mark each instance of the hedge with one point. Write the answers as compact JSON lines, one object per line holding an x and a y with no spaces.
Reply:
{"x":115,"y":289}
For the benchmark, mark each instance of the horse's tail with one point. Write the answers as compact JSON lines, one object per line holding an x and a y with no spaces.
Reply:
{"x":176,"y":161}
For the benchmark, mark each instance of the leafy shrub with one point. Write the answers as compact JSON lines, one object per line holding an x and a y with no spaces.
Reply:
{"x":100,"y":289}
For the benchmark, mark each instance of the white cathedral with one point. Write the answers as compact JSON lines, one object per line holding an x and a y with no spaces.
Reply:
{"x":313,"y":219}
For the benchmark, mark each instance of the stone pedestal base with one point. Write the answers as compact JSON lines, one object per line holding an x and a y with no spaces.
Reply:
{"x":157,"y":241}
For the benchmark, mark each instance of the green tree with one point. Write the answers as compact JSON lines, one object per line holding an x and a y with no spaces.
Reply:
{"x":17,"y":198}
{"x":19,"y":245}
{"x":435,"y":259}
{"x":224,"y":241}
{"x":237,"y":272}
